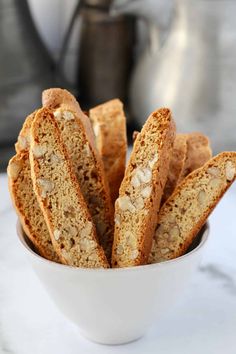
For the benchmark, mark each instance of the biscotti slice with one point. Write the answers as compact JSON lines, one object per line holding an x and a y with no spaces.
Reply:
{"x":26,"y":206}
{"x":185,"y":212}
{"x":109,"y":125}
{"x":141,"y":190}
{"x":176,"y":166}
{"x":77,"y":134}
{"x":198,"y":153}
{"x":69,"y":222}
{"x":177,"y":163}
{"x":23,"y":140}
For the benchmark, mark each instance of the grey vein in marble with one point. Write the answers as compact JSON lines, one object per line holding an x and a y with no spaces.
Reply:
{"x":215,"y":273}
{"x":4,"y":345}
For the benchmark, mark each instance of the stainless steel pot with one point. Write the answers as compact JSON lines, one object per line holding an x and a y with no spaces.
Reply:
{"x":193,"y":70}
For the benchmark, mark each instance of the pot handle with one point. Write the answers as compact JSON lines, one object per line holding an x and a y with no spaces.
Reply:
{"x":156,"y":14}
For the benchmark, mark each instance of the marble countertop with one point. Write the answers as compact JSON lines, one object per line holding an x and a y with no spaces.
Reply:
{"x":204,"y":320}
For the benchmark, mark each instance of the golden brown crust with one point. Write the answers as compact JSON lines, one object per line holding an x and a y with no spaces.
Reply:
{"x":186,"y":211}
{"x":58,"y":98}
{"x":78,"y":137}
{"x":141,"y":190}
{"x":198,"y":153}
{"x":65,"y":211}
{"x":23,"y":141}
{"x":109,"y":125}
{"x":26,"y":205}
{"x":177,"y":163}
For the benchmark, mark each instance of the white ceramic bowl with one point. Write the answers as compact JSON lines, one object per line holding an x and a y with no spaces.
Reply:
{"x":115,"y":306}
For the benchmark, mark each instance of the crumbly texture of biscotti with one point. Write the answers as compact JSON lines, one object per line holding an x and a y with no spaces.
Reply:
{"x":177,"y":163}
{"x":198,"y":153}
{"x":141,"y":190}
{"x":69,"y":222}
{"x":23,"y":140}
{"x":77,"y":134}
{"x":27,"y":207}
{"x":109,"y":126}
{"x":185,"y":212}
{"x":176,"y":166}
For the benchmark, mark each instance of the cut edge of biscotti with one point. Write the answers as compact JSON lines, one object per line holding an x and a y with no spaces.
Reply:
{"x":187,"y":209}
{"x":176,"y":166}
{"x":109,"y":126}
{"x":198,"y":153}
{"x":86,"y":161}
{"x":26,"y":206}
{"x":101,"y":112}
{"x":191,"y":151}
{"x":141,"y":190}
{"x":69,"y":222}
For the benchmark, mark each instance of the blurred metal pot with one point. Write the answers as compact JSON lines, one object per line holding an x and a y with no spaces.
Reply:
{"x":193,"y":70}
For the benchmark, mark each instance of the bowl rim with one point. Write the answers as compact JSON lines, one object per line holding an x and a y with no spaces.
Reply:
{"x":146,"y":267}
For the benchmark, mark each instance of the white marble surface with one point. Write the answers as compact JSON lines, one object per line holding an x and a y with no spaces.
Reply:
{"x":204,"y":321}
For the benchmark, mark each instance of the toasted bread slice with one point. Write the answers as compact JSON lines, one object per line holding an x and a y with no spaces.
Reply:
{"x":69,"y":222}
{"x":198,"y":153}
{"x":26,"y":206}
{"x":185,"y":212}
{"x":177,"y":163}
{"x":109,"y":125}
{"x":141,"y":190}
{"x":78,"y":136}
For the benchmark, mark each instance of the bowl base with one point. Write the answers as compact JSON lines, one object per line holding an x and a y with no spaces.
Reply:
{"x":112,"y":341}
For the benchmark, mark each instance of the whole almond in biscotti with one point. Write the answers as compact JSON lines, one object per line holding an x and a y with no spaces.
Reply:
{"x":69,"y":222}
{"x":141,"y":190}
{"x":109,"y":125}
{"x":78,"y":136}
{"x":198,"y":153}
{"x":27,"y":207}
{"x":135,"y":135}
{"x":186,"y":211}
{"x":177,"y":163}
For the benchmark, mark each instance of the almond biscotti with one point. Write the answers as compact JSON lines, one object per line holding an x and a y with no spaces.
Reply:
{"x":26,"y":206}
{"x":141,"y":190}
{"x":185,"y":212}
{"x":23,"y":140}
{"x":78,"y":137}
{"x":177,"y":163}
{"x":109,"y":125}
{"x":198,"y":153}
{"x":70,"y":225}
